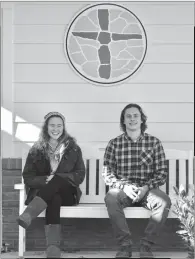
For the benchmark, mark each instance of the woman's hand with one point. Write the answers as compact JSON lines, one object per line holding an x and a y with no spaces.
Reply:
{"x":49,"y":178}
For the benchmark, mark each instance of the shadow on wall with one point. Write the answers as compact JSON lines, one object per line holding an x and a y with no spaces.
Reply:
{"x":25,"y":134}
{"x":20,"y":134}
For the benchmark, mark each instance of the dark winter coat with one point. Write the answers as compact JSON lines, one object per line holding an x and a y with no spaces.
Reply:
{"x":37,"y":168}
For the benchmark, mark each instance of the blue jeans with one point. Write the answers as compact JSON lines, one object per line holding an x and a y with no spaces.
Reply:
{"x":155,"y":200}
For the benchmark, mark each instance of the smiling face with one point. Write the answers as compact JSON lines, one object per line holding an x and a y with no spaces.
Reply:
{"x":132,"y":119}
{"x":55,"y":128}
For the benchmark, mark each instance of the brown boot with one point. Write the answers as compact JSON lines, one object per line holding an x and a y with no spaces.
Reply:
{"x":53,"y":237}
{"x":35,"y":207}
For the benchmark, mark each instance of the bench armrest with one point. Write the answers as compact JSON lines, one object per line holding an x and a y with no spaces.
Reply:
{"x":19,"y":186}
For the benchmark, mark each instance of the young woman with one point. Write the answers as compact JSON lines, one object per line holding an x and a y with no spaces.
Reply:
{"x":52,"y":174}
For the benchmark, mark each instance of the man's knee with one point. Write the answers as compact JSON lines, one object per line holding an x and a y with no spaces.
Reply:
{"x":161,"y":198}
{"x":167,"y":202}
{"x":112,"y":196}
{"x":164,"y":202}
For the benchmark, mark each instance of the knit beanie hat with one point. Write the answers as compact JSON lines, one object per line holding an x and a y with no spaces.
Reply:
{"x":53,"y":114}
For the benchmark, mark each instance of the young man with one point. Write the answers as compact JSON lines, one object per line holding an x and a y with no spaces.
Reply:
{"x":134,"y":168}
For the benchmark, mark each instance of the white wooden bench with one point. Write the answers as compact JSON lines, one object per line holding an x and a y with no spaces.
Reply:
{"x":180,"y":165}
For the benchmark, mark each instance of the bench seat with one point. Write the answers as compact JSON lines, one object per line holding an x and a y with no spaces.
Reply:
{"x":96,"y":210}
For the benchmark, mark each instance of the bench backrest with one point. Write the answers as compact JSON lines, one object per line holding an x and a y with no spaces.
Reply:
{"x":179,"y":162}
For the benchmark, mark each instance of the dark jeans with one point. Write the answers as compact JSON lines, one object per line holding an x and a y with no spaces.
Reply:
{"x":56,"y":193}
{"x":155,"y":200}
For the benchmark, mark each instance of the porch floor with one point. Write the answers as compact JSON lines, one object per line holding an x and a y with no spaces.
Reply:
{"x":93,"y":254}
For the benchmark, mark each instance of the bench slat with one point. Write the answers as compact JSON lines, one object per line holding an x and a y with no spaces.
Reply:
{"x":92,"y":177}
{"x":182,"y":173}
{"x":83,"y":185}
{"x":100,"y":211}
{"x":190,"y":167}
{"x":172,"y":176}
{"x":102,"y":185}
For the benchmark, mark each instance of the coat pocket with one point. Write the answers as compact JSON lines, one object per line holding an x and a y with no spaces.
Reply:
{"x":67,"y":162}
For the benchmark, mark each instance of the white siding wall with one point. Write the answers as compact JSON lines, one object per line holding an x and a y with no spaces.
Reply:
{"x":43,"y":81}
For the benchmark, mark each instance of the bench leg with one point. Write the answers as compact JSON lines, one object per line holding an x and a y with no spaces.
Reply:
{"x":22,"y":241}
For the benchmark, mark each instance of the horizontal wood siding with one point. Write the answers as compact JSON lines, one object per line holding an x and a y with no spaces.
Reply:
{"x":75,"y":93}
{"x":104,"y":112}
{"x":63,"y":73}
{"x":105,"y":131}
{"x":44,"y":81}
{"x":179,"y":13}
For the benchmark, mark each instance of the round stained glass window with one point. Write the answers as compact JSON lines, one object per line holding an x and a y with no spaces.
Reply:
{"x":105,"y":43}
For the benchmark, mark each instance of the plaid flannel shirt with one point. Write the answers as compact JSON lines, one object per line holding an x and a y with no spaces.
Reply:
{"x":139,"y":163}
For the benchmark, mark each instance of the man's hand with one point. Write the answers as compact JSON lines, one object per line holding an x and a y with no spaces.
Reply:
{"x":141,"y":193}
{"x":131,"y":191}
{"x":49,"y":178}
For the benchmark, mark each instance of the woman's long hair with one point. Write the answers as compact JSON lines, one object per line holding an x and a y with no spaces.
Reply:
{"x":143,"y":117}
{"x":42,"y":143}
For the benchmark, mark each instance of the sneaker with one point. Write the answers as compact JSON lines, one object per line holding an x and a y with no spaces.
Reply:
{"x":124,"y":252}
{"x":145,"y":251}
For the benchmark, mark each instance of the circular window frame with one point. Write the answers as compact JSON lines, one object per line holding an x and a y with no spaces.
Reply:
{"x":72,"y":64}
